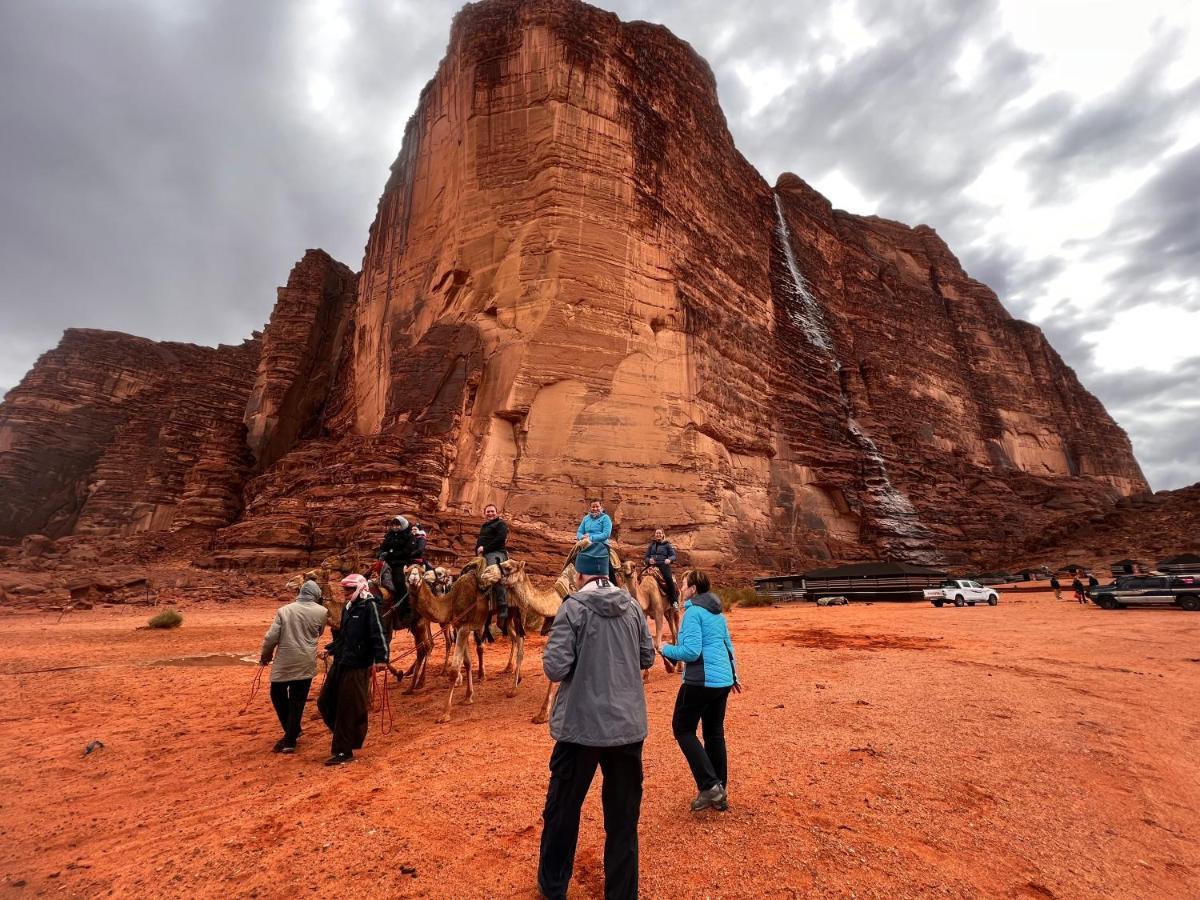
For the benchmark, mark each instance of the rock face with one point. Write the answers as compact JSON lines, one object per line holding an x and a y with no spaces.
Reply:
{"x":112,"y":434}
{"x":575,"y":287}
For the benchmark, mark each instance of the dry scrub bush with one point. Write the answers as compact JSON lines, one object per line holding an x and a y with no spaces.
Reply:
{"x":731,"y":597}
{"x":168,"y":618}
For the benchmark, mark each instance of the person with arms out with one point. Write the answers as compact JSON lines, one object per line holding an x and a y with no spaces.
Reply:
{"x":598,"y":646}
{"x":290,"y":646}
{"x":661,"y":554}
{"x":357,"y":647}
{"x":492,"y":545}
{"x":594,"y":531}
{"x":709,"y":674}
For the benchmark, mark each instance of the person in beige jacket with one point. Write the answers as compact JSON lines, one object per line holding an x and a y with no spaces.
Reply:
{"x":292,"y":641}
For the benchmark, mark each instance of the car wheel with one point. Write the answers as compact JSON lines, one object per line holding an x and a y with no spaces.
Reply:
{"x":1190,"y":602}
{"x":1107,"y":602}
{"x":938,"y":603}
{"x":959,"y":601}
{"x":993,"y":599}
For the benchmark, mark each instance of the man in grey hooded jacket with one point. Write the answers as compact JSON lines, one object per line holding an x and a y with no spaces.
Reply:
{"x":292,"y":640}
{"x":597,"y":649}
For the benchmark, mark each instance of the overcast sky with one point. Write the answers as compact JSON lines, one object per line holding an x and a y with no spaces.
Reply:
{"x":163,"y":163}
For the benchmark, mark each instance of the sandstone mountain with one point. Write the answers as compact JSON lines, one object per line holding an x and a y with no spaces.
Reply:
{"x":576,"y":286}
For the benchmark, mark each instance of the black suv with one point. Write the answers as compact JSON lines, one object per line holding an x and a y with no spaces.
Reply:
{"x":1175,"y":590}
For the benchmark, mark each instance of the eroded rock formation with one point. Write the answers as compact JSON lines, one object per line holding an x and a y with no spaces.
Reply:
{"x":576,"y":286}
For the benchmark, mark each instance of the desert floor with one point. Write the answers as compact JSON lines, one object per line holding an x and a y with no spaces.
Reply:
{"x":1034,"y":749}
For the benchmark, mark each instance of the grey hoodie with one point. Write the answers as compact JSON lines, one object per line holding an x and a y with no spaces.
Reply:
{"x":597,"y":648}
{"x":294,"y":632}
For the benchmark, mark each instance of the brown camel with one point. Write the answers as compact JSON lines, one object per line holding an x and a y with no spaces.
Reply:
{"x":654,"y":605}
{"x":464,"y":606}
{"x":525,"y":598}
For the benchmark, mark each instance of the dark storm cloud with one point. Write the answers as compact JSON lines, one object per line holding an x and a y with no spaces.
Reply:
{"x":162,"y":166}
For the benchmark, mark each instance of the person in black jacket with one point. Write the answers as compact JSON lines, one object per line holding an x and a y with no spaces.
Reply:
{"x":358,"y":645}
{"x":1077,"y":587}
{"x":493,"y":538}
{"x":402,"y":546}
{"x":661,"y":554}
{"x":1056,"y":586}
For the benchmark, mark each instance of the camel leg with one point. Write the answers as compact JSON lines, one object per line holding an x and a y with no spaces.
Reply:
{"x":479,"y":653}
{"x":459,"y":654}
{"x":446,"y":637}
{"x":423,"y":654}
{"x":512,"y":651}
{"x":518,"y":642}
{"x":543,"y":714}
{"x":470,"y":698}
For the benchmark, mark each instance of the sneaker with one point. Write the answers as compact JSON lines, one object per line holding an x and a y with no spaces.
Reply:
{"x":287,"y":748}
{"x":279,"y":745}
{"x":722,"y":805}
{"x":710,"y":797}
{"x":339,"y":759}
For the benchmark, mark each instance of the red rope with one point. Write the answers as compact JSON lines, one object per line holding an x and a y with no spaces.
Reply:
{"x":254,"y":686}
{"x":386,"y":722}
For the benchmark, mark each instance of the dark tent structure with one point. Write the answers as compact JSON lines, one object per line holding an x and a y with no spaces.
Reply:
{"x":1181,"y":564}
{"x":873,"y":581}
{"x":781,"y":587}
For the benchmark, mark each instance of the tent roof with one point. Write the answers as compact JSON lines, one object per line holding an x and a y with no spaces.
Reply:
{"x":1180,"y":558}
{"x":1126,"y":562}
{"x":873,"y":570}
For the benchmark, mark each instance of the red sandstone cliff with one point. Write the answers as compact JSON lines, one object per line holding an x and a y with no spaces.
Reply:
{"x":575,"y":285}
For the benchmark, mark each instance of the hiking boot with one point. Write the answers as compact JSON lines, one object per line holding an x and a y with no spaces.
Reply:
{"x":710,"y":797}
{"x":279,"y":745}
{"x":288,"y":748}
{"x":339,"y":759}
{"x":722,"y":805}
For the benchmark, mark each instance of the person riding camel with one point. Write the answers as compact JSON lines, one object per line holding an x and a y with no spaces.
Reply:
{"x":661,"y":555}
{"x":399,"y":549}
{"x":594,"y":531}
{"x":420,"y":538}
{"x":492,"y":546}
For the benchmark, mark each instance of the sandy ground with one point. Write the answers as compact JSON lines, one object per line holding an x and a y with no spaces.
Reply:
{"x":1035,"y":749}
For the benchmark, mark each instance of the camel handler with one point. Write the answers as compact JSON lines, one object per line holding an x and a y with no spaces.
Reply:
{"x":492,"y":546}
{"x":593,"y":534}
{"x":661,"y":555}
{"x":358,"y":644}
{"x":598,"y":646}
{"x":292,"y":641}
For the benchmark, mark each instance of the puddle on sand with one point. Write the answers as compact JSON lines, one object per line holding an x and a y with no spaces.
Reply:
{"x":207,"y":659}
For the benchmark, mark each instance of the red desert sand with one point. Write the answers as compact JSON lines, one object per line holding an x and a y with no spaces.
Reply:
{"x":1035,"y":749}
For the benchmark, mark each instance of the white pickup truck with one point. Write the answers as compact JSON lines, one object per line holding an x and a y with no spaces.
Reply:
{"x":962,"y":593}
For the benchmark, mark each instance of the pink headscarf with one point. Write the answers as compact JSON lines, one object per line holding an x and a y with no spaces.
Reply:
{"x":358,"y":583}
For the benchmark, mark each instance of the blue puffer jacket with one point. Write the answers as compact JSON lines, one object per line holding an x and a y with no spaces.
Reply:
{"x":599,"y":530}
{"x":704,"y":644}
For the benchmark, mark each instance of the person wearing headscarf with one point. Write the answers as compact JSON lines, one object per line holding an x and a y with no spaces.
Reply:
{"x":290,"y":646}
{"x":358,"y":645}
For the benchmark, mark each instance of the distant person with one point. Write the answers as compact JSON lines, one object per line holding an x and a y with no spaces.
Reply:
{"x":358,"y":645}
{"x":292,"y":642}
{"x":598,"y":646}
{"x":1056,"y":586}
{"x":661,"y":554}
{"x":709,"y":674}
{"x":419,"y":541}
{"x":401,"y":547}
{"x":492,"y":545}
{"x":594,"y":531}
{"x":1077,"y":587}
{"x":1093,"y":581}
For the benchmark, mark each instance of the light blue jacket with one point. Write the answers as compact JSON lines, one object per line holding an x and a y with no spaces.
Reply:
{"x":704,"y":644}
{"x":599,"y":529}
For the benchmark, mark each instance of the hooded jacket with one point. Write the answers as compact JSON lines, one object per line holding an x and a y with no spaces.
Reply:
{"x":493,"y":536}
{"x":704,"y":644}
{"x":597,"y":648}
{"x":599,"y":530}
{"x":360,"y":640}
{"x":292,"y":637}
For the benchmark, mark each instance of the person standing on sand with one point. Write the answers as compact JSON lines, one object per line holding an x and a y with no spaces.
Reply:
{"x":292,"y":641}
{"x":594,"y":531}
{"x":709,"y":674}
{"x":344,"y":703}
{"x":1056,"y":586}
{"x":1077,"y":587}
{"x":598,"y":646}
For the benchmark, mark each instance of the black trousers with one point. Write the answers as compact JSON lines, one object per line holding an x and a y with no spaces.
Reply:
{"x":499,"y":591}
{"x":669,"y":580}
{"x":289,"y":698}
{"x":345,"y":706}
{"x":572,"y":767}
{"x":702,"y":706}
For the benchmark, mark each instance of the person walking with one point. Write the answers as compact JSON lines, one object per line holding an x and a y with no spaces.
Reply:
{"x":661,"y":554}
{"x":1056,"y":586}
{"x":290,"y":646}
{"x":598,"y":646}
{"x":1077,"y":587}
{"x":492,"y":545}
{"x":344,"y":703}
{"x":709,"y":674}
{"x":594,"y":531}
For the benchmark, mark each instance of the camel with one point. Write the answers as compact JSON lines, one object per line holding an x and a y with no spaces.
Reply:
{"x":524,"y":598}
{"x":654,"y":605}
{"x":465,"y":606}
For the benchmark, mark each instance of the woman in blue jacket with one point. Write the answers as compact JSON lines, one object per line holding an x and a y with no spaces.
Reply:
{"x":709,"y":674}
{"x":597,"y":528}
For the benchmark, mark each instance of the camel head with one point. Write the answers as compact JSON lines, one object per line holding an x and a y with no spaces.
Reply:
{"x":413,"y":575}
{"x":512,"y":571}
{"x":628,"y":568}
{"x":488,"y":577}
{"x":430,"y":577}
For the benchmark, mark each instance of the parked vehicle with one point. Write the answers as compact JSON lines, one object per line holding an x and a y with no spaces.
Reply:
{"x":1156,"y":590}
{"x":961,"y":592}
